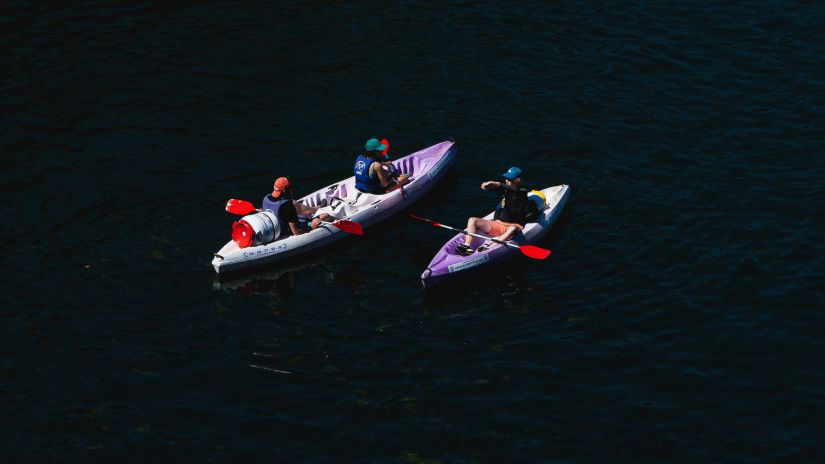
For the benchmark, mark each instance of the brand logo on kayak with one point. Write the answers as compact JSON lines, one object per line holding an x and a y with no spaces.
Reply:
{"x":481,"y":259}
{"x":265,"y":251}
{"x":441,"y":163}
{"x":359,"y":167}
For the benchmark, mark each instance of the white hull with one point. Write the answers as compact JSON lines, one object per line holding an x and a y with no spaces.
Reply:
{"x":426,"y":167}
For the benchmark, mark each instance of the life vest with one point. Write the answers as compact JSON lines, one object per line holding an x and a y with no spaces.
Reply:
{"x":363,"y":181}
{"x":275,"y":207}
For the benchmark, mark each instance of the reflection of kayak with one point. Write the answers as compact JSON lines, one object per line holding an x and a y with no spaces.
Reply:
{"x":265,"y":278}
{"x":448,"y":263}
{"x":425,"y":167}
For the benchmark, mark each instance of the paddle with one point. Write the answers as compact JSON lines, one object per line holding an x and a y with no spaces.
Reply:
{"x":527,"y":250}
{"x":239,"y":207}
{"x":243,"y":207}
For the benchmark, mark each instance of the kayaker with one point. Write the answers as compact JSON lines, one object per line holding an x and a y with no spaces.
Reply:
{"x":281,"y":203}
{"x":370,"y":173}
{"x":512,"y":213}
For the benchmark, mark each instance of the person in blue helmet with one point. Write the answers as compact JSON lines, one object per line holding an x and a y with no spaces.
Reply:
{"x":373,"y":176}
{"x":512,"y":213}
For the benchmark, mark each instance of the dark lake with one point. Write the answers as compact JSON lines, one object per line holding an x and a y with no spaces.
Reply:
{"x":678,"y":319}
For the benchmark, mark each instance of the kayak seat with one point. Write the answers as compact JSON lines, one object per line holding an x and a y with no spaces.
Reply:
{"x":342,"y":191}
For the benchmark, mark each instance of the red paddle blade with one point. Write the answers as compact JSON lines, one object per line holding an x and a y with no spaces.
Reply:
{"x":387,"y":143}
{"x":534,"y":251}
{"x":351,"y":227}
{"x":239,"y":207}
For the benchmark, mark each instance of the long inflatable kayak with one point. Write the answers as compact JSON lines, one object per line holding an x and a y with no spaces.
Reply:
{"x":424,"y":168}
{"x":447,"y":263}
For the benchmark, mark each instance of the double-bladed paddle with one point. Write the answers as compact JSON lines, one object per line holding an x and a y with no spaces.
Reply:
{"x":527,"y":250}
{"x":243,"y":207}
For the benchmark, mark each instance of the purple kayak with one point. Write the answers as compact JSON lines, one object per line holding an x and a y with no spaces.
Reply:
{"x":343,"y":201}
{"x":448,"y":264}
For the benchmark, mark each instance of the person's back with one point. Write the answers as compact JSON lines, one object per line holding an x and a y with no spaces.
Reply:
{"x":366,"y":178}
{"x":280,"y":202}
{"x":284,"y":210}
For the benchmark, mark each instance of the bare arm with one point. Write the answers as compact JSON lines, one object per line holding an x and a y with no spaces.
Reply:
{"x":493,"y":185}
{"x":390,"y":168}
{"x":303,"y":209}
{"x":383,"y":176}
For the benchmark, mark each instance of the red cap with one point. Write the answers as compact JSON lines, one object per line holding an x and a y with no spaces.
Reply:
{"x":281,"y":184}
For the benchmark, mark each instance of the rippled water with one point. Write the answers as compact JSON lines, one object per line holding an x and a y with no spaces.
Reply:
{"x":678,"y":319}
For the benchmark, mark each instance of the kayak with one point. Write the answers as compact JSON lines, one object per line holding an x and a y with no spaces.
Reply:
{"x":424,"y":168}
{"x":448,"y":263}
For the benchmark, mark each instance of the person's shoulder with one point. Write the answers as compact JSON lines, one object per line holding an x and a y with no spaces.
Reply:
{"x":287,"y":211}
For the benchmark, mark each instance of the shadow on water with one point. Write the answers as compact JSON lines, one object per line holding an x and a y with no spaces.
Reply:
{"x":280,"y":279}
{"x":272,"y":279}
{"x":486,"y":284}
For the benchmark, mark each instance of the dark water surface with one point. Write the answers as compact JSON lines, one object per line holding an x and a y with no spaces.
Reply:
{"x":680,"y":317}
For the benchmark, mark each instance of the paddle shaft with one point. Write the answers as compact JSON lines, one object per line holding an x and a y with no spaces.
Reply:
{"x":531,"y":251}
{"x":444,"y":226}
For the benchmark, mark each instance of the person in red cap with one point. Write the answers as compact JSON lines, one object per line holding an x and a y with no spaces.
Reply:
{"x":512,"y":213}
{"x":285,"y":208}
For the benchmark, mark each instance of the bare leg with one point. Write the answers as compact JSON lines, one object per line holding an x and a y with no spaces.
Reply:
{"x":471,"y":228}
{"x":476,"y":224}
{"x":508,"y":233}
{"x":397,"y":183}
{"x":321,"y":217}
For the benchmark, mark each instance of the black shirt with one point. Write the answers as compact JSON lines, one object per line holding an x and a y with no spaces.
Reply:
{"x":514,"y":207}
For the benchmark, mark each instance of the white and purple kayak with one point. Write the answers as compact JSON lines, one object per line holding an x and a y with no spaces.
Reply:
{"x":424,"y":168}
{"x":448,"y":263}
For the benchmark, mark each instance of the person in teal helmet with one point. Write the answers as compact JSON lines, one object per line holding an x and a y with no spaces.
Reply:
{"x":371,"y":174}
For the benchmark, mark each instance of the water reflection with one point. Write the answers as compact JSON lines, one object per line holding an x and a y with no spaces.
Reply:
{"x":279,"y":279}
{"x":500,"y":285}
